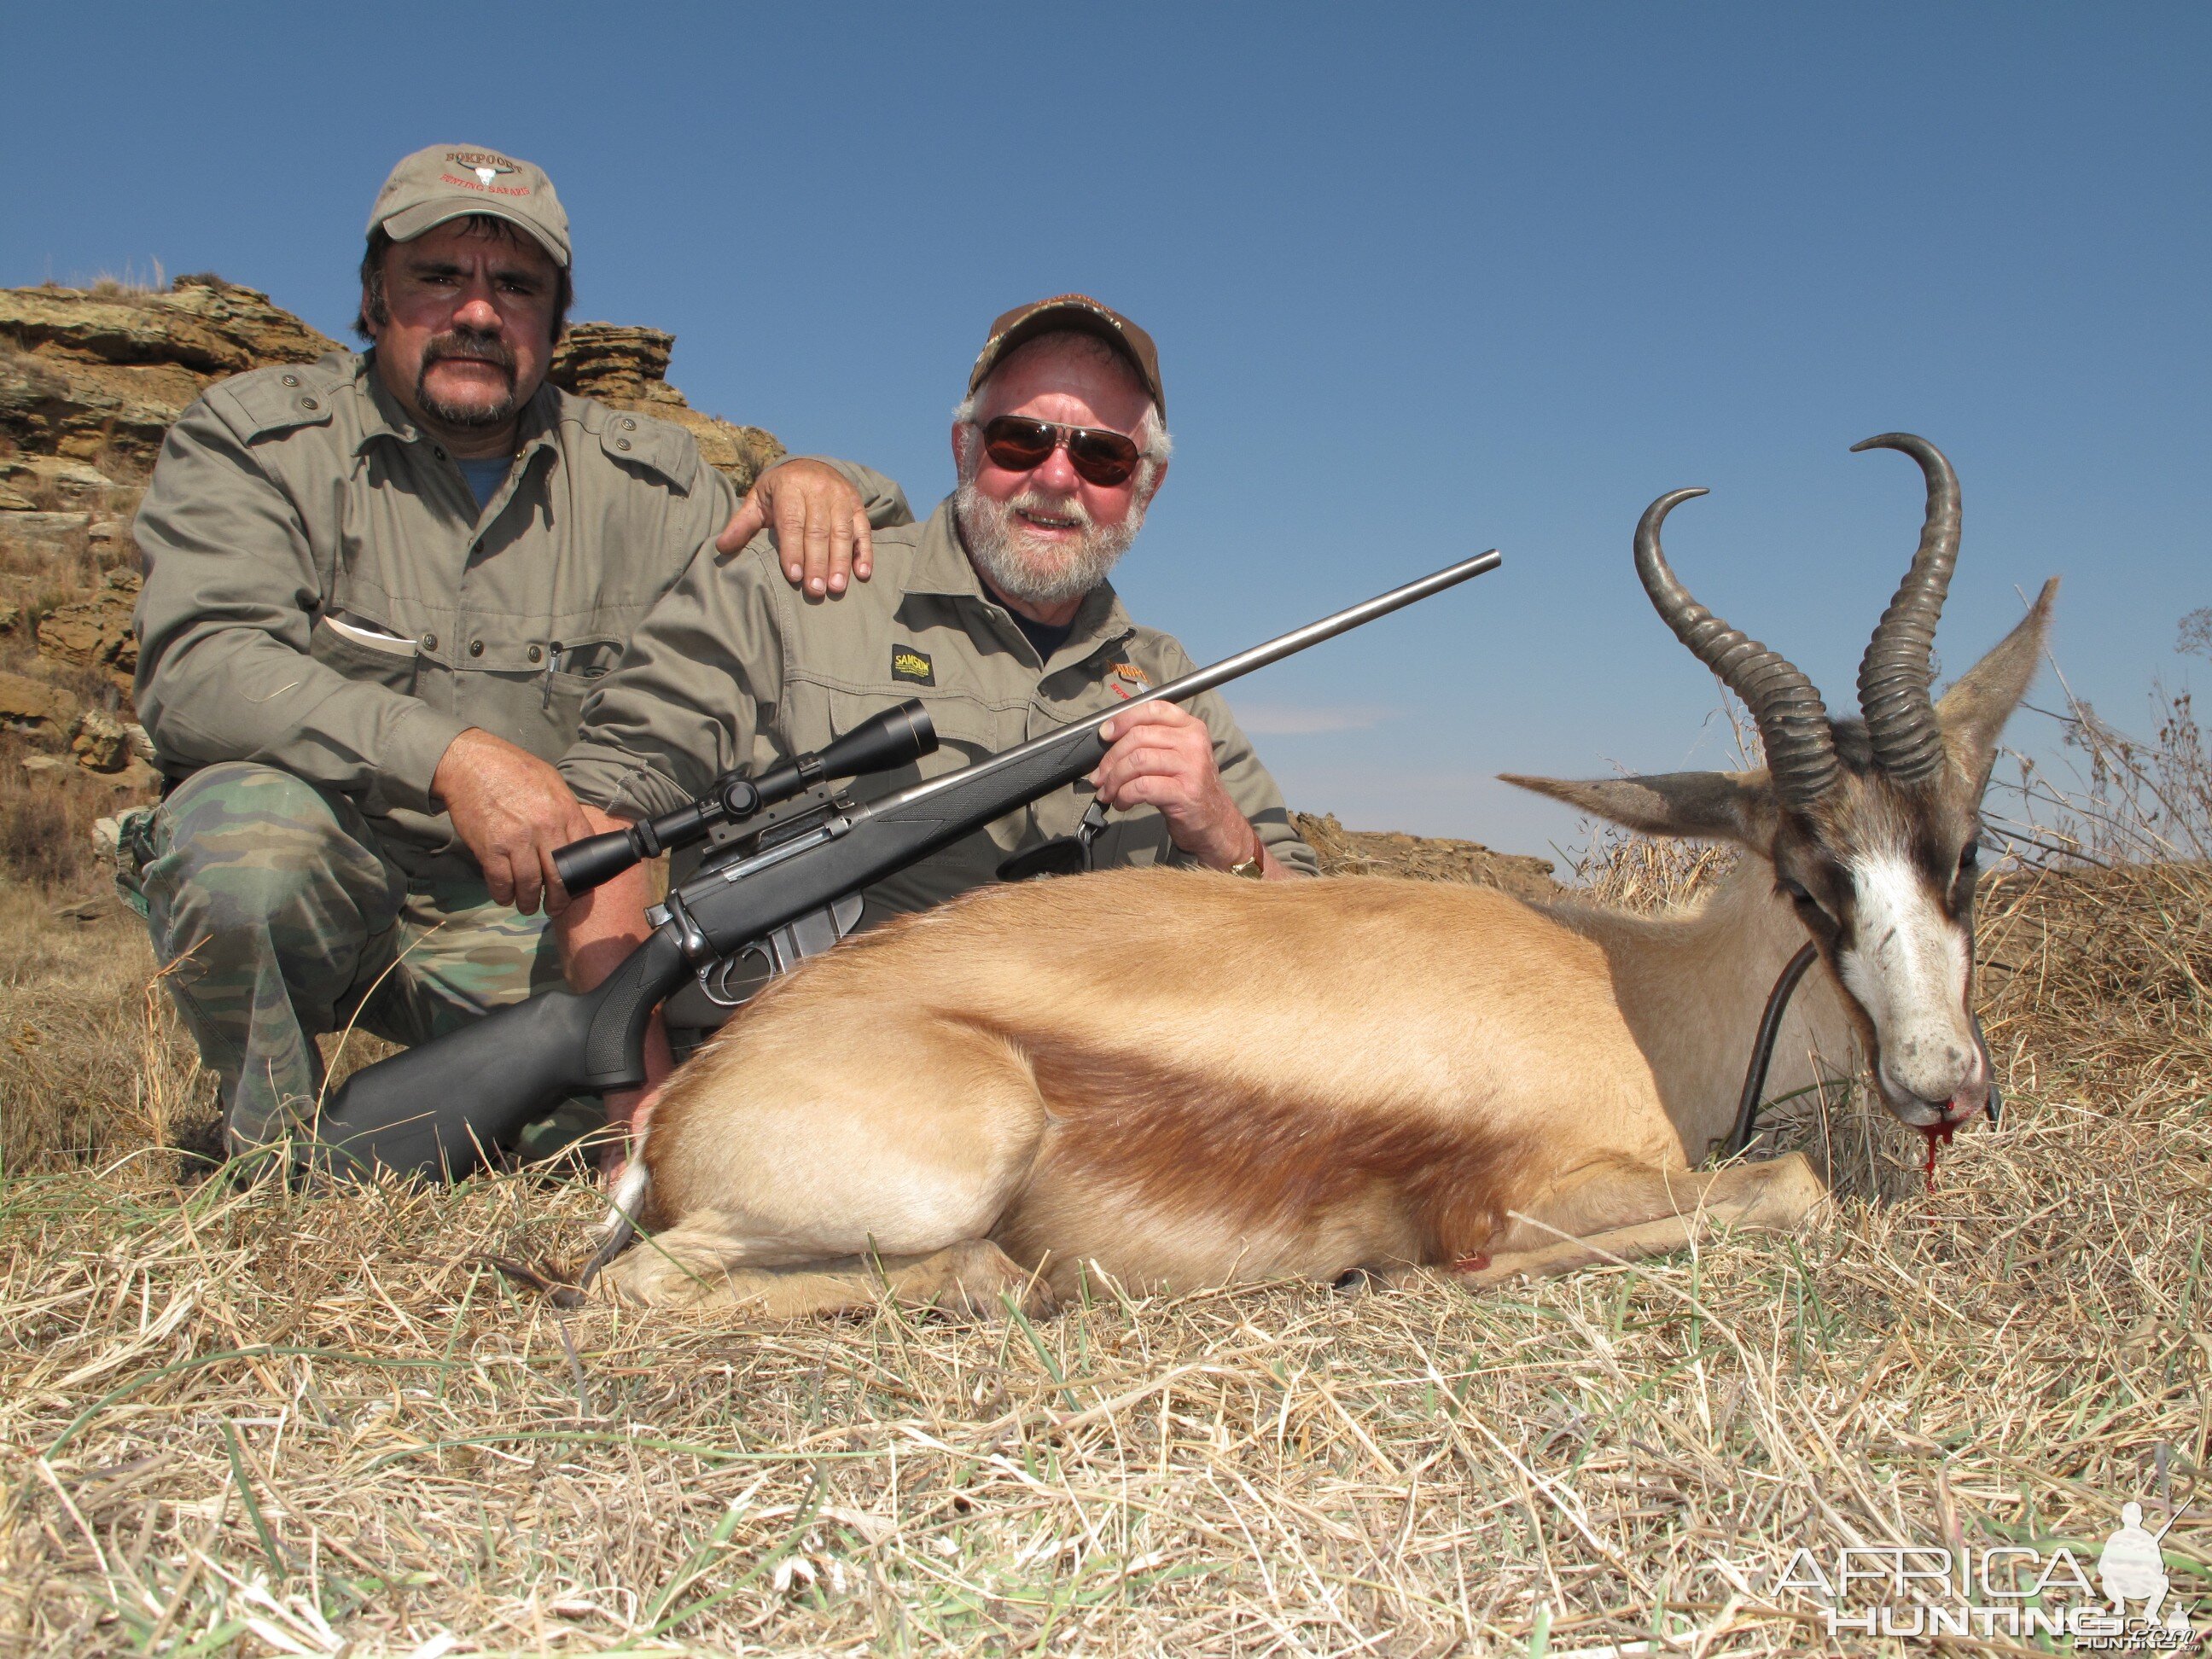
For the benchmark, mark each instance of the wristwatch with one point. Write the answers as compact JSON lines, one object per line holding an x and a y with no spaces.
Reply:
{"x":1254,"y":865}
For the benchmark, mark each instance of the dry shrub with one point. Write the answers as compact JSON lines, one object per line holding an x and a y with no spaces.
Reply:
{"x":2107,"y":973}
{"x":45,"y":824}
{"x":1626,"y":871}
{"x":93,"y":1064}
{"x":39,"y":577}
{"x":2112,"y":797}
{"x":130,"y":286}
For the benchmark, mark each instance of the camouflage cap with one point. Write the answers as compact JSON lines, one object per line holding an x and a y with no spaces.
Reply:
{"x":1084,"y":315}
{"x":451,"y":181}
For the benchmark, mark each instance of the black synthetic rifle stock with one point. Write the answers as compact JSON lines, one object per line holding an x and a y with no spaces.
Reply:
{"x":438,"y":1109}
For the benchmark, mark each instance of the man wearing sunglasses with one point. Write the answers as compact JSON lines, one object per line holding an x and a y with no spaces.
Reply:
{"x":996,"y":612}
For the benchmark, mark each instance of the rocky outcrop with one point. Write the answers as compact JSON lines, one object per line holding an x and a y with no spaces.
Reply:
{"x":1387,"y":852}
{"x":90,"y":380}
{"x":98,"y":375}
{"x":628,"y":368}
{"x":45,"y":713}
{"x":96,"y":633}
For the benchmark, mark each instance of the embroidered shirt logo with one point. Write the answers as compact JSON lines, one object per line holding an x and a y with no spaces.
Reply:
{"x":913,"y":666}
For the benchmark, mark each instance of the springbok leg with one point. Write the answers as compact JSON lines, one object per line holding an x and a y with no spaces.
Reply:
{"x":691,"y":1266}
{"x":1645,"y":1211}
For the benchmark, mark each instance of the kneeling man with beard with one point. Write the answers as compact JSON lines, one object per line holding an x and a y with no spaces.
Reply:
{"x":996,"y":612}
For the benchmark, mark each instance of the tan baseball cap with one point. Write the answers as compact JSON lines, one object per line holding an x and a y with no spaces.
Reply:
{"x":1084,"y":314}
{"x":451,"y":181}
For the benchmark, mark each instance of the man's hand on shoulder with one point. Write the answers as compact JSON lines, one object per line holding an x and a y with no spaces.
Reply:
{"x":511,"y":811}
{"x":821,"y":525}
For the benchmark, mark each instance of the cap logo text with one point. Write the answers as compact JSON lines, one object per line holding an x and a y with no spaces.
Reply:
{"x":488,"y":166}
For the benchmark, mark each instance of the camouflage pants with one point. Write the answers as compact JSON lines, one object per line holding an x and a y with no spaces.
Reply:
{"x":282,"y":916}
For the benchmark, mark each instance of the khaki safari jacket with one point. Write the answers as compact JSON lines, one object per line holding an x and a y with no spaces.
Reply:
{"x":323,"y":595}
{"x":735,"y":670}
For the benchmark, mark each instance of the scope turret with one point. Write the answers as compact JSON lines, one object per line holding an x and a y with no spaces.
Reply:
{"x":881,"y":743}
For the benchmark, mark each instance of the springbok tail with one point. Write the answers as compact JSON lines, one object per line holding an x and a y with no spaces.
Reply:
{"x":620,"y":1225}
{"x":629,"y":1192}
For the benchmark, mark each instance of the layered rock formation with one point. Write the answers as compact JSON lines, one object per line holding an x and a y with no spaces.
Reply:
{"x":89,"y":381}
{"x":628,"y":368}
{"x":95,"y":376}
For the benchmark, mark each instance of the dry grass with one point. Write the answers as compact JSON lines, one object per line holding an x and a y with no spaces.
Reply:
{"x":91,"y":1065}
{"x":46,"y":819}
{"x":250,"y":1420}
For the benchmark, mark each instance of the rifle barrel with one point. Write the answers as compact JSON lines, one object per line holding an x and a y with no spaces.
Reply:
{"x":1229,"y":668}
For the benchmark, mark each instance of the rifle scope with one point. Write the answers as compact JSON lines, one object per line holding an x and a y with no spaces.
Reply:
{"x":895,"y":738}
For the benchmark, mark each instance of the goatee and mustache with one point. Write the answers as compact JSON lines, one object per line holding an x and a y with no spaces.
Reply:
{"x":1023,"y":566}
{"x":470,"y":345}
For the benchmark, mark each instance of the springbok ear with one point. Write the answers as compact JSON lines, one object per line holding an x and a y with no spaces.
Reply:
{"x":1737,"y":806}
{"x":1973,"y":712}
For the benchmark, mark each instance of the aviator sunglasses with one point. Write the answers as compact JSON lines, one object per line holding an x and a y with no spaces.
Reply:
{"x":1099,"y":456}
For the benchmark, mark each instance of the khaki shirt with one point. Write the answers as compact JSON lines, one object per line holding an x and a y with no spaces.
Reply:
{"x":323,"y":594}
{"x":734,"y":670}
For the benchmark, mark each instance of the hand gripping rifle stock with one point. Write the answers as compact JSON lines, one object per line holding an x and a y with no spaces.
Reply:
{"x":439,"y":1109}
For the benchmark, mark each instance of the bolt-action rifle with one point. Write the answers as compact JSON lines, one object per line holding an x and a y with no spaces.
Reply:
{"x":789,"y":856}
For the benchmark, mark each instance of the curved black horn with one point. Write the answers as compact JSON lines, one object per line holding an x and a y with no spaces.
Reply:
{"x":1893,"y":675}
{"x":1793,"y":722}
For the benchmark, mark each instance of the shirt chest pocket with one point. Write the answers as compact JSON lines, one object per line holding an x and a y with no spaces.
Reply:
{"x":572,"y":668}
{"x":966,"y":732}
{"x":361,"y":651}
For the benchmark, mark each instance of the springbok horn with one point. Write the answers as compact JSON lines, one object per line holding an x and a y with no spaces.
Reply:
{"x":1893,"y":675}
{"x":1793,"y":722}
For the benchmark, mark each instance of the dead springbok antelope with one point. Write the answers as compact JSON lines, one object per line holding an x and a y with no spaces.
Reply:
{"x":1190,"y":1081}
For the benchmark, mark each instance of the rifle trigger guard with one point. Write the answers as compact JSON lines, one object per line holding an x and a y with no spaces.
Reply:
{"x":716,"y":979}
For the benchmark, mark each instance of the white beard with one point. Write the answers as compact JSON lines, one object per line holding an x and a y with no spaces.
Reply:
{"x":1024,"y":567}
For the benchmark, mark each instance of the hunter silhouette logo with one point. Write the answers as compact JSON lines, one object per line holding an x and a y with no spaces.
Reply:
{"x":2132,"y":1568}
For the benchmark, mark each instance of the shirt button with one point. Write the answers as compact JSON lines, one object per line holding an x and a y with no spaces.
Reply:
{"x":629,"y":425}
{"x":439,"y":453}
{"x":291,"y":379}
{"x":621,"y":443}
{"x":309,"y":402}
{"x":476,"y":648}
{"x":537,"y":654}
{"x":429,"y":641}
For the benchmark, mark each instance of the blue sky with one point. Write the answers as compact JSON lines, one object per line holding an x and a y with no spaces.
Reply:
{"x":1425,"y":280}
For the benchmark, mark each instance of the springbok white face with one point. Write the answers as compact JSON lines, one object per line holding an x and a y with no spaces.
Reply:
{"x":1909,"y":964}
{"x":1872,"y":825}
{"x":1882,"y":876}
